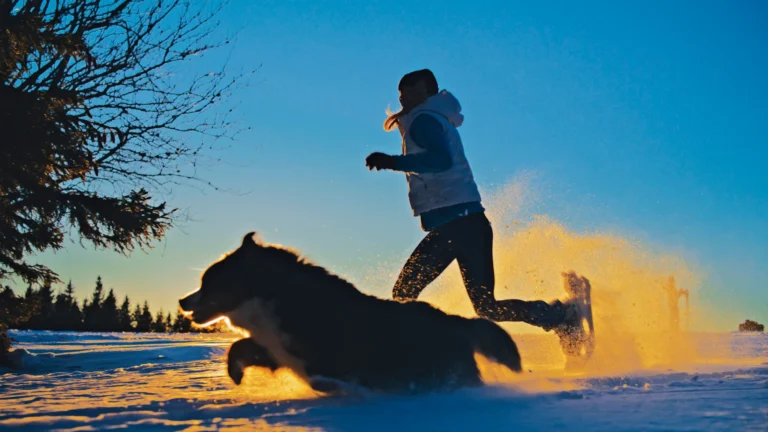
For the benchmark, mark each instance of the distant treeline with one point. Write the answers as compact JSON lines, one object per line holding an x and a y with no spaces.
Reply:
{"x":42,"y":309}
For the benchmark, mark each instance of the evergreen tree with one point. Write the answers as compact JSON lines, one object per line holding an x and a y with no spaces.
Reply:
{"x":182,"y":324}
{"x":43,"y":312}
{"x":108,"y":315}
{"x":83,"y":104}
{"x":5,"y":343}
{"x":98,"y":292}
{"x":5,"y":340}
{"x":13,"y":314}
{"x":159,"y":323}
{"x":124,"y":315}
{"x":75,"y":316}
{"x":70,"y":292}
{"x":86,"y":307}
{"x":10,"y":306}
{"x":91,"y":311}
{"x":46,"y":299}
{"x":39,"y":309}
{"x":32,"y":303}
{"x":15,"y":311}
{"x":136,"y":317}
{"x":145,"y":319}
{"x":61,"y":310}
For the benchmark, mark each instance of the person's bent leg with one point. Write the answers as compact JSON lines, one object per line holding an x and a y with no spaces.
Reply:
{"x":537,"y":312}
{"x":475,"y":257}
{"x":430,"y":258}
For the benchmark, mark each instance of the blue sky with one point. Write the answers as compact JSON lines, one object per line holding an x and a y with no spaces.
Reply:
{"x":648,"y":118}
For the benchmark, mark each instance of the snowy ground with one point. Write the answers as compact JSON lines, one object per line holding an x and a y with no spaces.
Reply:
{"x":159,"y":382}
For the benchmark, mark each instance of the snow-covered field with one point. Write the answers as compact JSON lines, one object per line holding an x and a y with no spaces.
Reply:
{"x":154,"y":382}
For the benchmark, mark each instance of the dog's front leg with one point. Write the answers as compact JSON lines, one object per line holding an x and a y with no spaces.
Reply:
{"x":245,"y":353}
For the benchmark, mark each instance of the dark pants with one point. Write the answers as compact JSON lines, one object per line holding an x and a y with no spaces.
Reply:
{"x":469,"y":240}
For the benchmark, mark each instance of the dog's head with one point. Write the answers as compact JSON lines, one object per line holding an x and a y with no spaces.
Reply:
{"x":252,"y":270}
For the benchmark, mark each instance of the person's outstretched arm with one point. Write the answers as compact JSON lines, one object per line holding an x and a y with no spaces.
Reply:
{"x":427,"y":132}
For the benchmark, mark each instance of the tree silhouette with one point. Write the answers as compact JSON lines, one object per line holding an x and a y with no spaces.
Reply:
{"x":145,"y":322}
{"x":68,"y":312}
{"x":39,"y":310}
{"x":13,"y":309}
{"x":92,"y":310}
{"x":136,"y":318}
{"x":32,"y":303}
{"x":70,"y":291}
{"x":98,"y":292}
{"x":108,"y":314}
{"x":182,"y":324}
{"x":158,"y":325}
{"x":5,"y":343}
{"x":76,"y":316}
{"x":86,"y":307}
{"x":42,"y":319}
{"x":124,"y":318}
{"x":97,"y":111}
{"x":13,"y":313}
{"x":61,"y":310}
{"x":168,"y":323}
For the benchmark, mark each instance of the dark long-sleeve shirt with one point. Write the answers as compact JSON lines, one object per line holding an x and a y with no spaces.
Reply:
{"x":427,"y":132}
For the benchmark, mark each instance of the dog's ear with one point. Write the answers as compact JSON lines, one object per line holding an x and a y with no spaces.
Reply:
{"x":250,"y":239}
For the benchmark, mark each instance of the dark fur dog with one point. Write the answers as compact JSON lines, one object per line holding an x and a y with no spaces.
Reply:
{"x":301,"y":317}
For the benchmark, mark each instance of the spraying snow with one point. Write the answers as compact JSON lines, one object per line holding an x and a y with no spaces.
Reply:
{"x":632,"y":313}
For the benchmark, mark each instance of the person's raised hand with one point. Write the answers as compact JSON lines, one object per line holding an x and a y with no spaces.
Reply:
{"x":379,"y":161}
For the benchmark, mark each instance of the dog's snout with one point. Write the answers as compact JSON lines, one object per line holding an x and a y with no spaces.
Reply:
{"x":189,"y":302}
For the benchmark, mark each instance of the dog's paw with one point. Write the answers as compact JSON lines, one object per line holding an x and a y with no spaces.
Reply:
{"x":246,"y":353}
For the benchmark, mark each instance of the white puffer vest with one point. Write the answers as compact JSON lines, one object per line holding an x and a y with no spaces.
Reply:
{"x":430,"y":191}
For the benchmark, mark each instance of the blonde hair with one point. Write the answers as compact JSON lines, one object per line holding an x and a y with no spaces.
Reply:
{"x":424,"y":75}
{"x":393,"y":118}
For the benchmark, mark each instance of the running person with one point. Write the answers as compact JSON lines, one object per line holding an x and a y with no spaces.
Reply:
{"x":443,"y":194}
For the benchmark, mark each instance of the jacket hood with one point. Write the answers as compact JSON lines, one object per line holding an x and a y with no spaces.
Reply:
{"x":445,"y":104}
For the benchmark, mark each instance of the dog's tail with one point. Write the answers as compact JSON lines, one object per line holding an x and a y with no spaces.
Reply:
{"x":493,"y":342}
